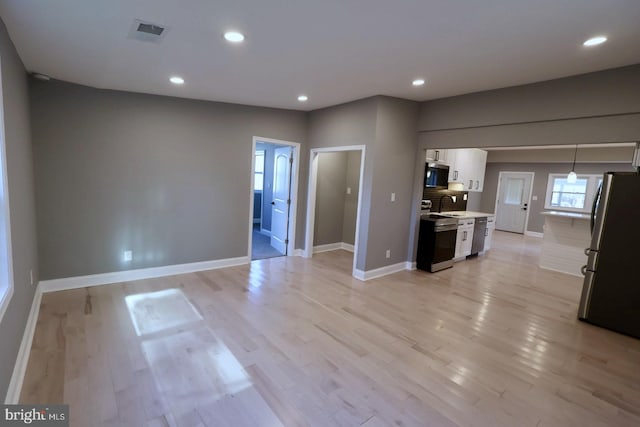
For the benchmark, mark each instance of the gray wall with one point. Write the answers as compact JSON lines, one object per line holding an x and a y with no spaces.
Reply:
{"x":167,"y":178}
{"x":330,"y":198}
{"x":393,"y":157}
{"x":542,"y":170}
{"x":351,"y":200}
{"x":595,"y":107}
{"x":336,"y":211}
{"x":386,"y":126}
{"x":22,"y":204}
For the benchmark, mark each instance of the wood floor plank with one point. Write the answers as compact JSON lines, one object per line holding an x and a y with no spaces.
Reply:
{"x":493,"y":341}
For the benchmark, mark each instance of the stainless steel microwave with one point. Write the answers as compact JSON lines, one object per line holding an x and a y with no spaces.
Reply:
{"x":436,"y":175}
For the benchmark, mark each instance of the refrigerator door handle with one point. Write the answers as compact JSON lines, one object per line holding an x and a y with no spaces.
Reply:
{"x":596,"y":200}
{"x":599,"y":213}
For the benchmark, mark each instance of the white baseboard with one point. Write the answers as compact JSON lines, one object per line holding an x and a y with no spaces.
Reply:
{"x":265,"y":232}
{"x":298,"y":252}
{"x":256,"y":220}
{"x":379,"y":272}
{"x":533,"y":234}
{"x":347,"y":247}
{"x":144,"y":273}
{"x":410,"y":265}
{"x":20,"y":367}
{"x":333,"y":247}
{"x":326,"y":248}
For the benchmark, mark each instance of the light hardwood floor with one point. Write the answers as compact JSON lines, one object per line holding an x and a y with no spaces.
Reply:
{"x":295,"y":342}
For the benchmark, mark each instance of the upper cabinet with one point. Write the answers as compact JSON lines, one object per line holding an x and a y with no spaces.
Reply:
{"x":438,"y":156}
{"x":467,"y":167}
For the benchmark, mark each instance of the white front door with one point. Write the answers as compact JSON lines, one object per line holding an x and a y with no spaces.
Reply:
{"x":281,"y":198}
{"x":513,"y":201}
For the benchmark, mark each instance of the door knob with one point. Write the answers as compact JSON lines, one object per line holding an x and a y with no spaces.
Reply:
{"x":273,"y":203}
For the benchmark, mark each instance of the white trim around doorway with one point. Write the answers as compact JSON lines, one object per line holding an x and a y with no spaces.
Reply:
{"x":311,"y":198}
{"x":293,"y":207}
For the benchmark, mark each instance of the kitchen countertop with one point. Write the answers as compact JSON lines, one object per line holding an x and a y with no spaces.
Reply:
{"x":467,"y":214}
{"x":570,"y":215}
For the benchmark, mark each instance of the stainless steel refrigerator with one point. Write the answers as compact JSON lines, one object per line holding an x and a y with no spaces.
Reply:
{"x":611,"y":290}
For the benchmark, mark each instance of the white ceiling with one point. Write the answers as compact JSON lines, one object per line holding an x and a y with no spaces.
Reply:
{"x":332,"y":50}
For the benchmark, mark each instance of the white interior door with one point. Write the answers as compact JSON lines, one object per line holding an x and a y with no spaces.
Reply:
{"x":281,"y":198}
{"x":513,"y":201}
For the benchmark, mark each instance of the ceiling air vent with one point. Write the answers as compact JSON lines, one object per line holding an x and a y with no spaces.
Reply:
{"x":147,"y":31}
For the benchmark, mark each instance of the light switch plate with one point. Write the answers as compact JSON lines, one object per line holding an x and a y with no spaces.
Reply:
{"x":393,"y":197}
{"x":348,"y":190}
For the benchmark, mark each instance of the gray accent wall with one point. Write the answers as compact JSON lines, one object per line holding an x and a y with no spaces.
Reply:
{"x":487,"y":199}
{"x":167,"y":178}
{"x":22,"y":204}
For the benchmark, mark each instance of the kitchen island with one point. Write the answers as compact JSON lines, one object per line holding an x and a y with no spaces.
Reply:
{"x":566,"y":236}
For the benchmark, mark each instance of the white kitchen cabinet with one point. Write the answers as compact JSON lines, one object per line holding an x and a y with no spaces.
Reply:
{"x":457,"y":160}
{"x":438,"y":156}
{"x":491,"y":226}
{"x":467,"y":167}
{"x":464,"y":238}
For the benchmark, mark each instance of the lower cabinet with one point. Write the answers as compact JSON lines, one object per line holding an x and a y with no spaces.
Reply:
{"x":491,"y":226}
{"x":464,"y":238}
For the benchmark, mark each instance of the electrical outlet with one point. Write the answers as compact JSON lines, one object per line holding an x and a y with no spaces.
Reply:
{"x":127,"y":256}
{"x":388,"y":254}
{"x":393,"y":199}
{"x":348,"y":190}
{"x":534,"y":198}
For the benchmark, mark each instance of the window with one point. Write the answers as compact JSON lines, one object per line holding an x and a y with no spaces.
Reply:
{"x":258,"y":180}
{"x":6,"y":274}
{"x":576,"y":197}
{"x":514,"y":191}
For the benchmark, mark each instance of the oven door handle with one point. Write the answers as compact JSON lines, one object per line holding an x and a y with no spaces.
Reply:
{"x":447,"y":227}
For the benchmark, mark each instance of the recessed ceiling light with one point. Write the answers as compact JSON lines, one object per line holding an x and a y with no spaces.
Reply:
{"x":303,"y":98}
{"x":234,"y":36}
{"x":418,"y":82}
{"x":176,"y":80}
{"x":595,"y":41}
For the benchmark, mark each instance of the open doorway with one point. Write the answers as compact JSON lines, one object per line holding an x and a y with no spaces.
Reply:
{"x":334,"y":199}
{"x":274,"y":188}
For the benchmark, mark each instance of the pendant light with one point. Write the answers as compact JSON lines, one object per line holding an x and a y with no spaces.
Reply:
{"x":572,"y":178}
